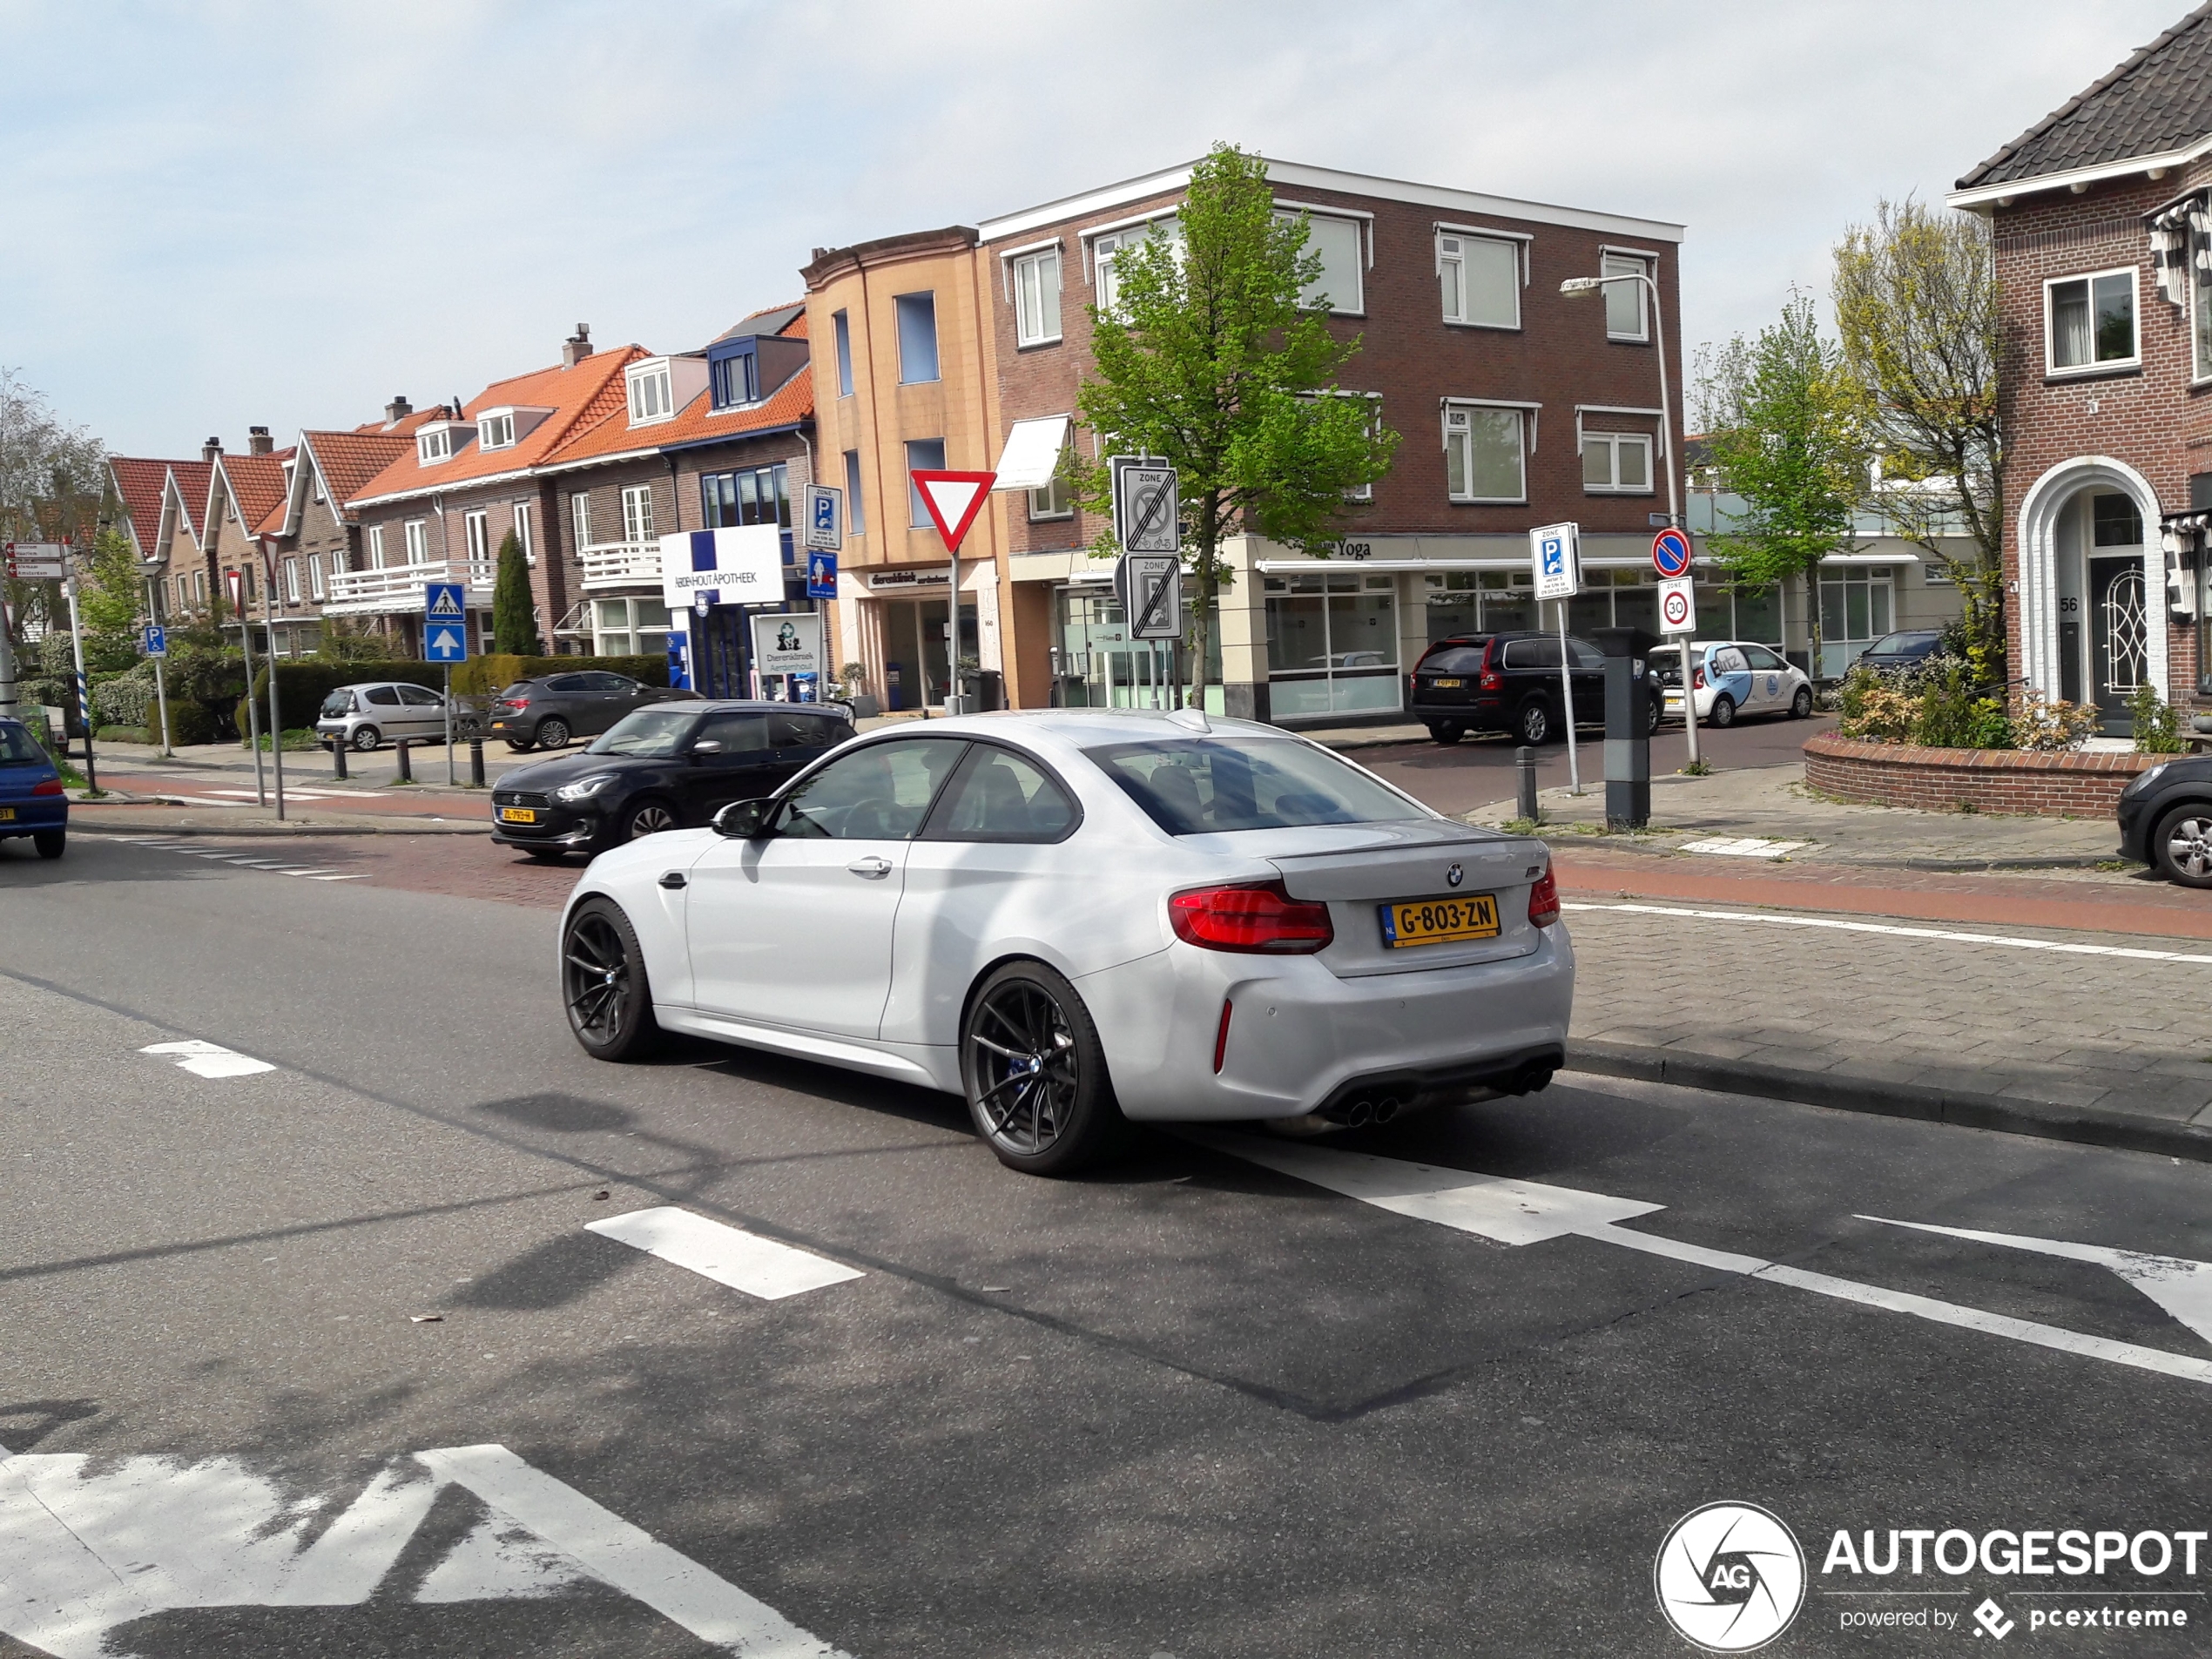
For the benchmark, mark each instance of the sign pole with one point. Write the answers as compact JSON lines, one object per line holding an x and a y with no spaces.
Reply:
{"x":449,"y":690}
{"x":160,"y":667}
{"x":7,"y":658}
{"x":83,"y":691}
{"x":276,"y":715}
{"x":1566,"y":690}
{"x":252,"y":707}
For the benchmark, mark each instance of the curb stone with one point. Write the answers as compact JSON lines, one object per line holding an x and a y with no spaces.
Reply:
{"x":2083,"y":1125}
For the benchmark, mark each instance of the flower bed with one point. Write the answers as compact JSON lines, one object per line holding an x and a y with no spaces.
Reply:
{"x":2065,"y":785}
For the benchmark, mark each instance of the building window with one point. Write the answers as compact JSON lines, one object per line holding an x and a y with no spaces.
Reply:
{"x":526,"y":532}
{"x":432,"y":444}
{"x":650,"y":397}
{"x":316,"y":585}
{"x":496,"y":432}
{"x":1053,"y":500}
{"x":637,"y":513}
{"x":856,"y":516}
{"x":1105,"y":249}
{"x":923,"y":454}
{"x":757,"y":495}
{"x":375,"y":547}
{"x":418,"y":541}
{"x":622,"y":627}
{"x":477,"y":527}
{"x":917,"y":337}
{"x":1341,"y":244}
{"x":292,"y":582}
{"x":842,"y":327}
{"x":200,"y":588}
{"x":1331,"y":643}
{"x":736,"y":381}
{"x":2090,"y":321}
{"x":1482,"y":455}
{"x":1481,"y":277}
{"x":1036,"y":298}
{"x":1625,"y":317}
{"x":1855,"y":611}
{"x":580,"y":518}
{"x":2199,"y":244}
{"x":1616,"y":463}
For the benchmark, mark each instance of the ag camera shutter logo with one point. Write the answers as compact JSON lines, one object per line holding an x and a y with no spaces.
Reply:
{"x":1730,"y":1577}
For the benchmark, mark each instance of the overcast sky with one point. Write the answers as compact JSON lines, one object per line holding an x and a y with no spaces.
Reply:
{"x":223,"y":214}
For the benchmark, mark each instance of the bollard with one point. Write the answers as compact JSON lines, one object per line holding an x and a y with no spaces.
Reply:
{"x":1524,"y":761}
{"x":406,"y":770}
{"x":475,"y":763}
{"x":338,"y":759}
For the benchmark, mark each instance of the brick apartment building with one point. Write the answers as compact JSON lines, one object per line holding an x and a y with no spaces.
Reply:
{"x":2103,"y":235}
{"x":245,"y":496}
{"x":1517,"y":407}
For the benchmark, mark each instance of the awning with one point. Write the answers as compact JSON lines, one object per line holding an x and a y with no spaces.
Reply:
{"x":1032,"y":453}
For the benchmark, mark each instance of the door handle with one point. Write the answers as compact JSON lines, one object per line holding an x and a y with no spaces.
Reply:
{"x":872,"y":868}
{"x":674,"y":878}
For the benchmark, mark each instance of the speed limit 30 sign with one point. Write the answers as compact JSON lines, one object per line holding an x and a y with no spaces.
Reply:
{"x":1677,"y":606}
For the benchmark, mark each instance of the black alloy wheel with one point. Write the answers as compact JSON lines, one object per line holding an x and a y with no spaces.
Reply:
{"x":366,"y":738}
{"x":1035,"y":1072}
{"x":552,"y":733}
{"x":50,"y":843}
{"x":1801,"y":705}
{"x":1448,"y":732}
{"x":1656,"y":710}
{"x":1724,"y":714}
{"x":1533,"y":725}
{"x":609,"y":1001}
{"x":2181,"y":848}
{"x":648,"y":817}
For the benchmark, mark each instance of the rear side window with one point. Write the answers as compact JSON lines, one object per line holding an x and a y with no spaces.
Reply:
{"x":1761,"y":659}
{"x":569,"y":682}
{"x":881,"y":792}
{"x":999,"y":796}
{"x":385,"y":697}
{"x":1729,"y":659}
{"x":737,"y":733}
{"x":1586,"y":656}
{"x":805,"y":731}
{"x":1532,"y":653}
{"x":1454,"y":660}
{"x":17,"y":746}
{"x":416,"y":695}
{"x":1195,"y":786}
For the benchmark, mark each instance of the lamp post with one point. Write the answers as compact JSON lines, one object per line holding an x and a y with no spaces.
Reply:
{"x":1574,"y":288}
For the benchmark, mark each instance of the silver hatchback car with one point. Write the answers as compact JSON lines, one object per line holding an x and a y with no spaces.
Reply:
{"x":365,"y":717}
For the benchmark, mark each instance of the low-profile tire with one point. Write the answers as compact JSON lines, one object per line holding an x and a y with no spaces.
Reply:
{"x":1532,"y":725}
{"x":2181,"y":848}
{"x":51,"y":843}
{"x":603,"y":989}
{"x":519,"y":746}
{"x":648,"y":815}
{"x":1655,"y":712}
{"x":552,"y":733}
{"x":1034,"y":1072}
{"x":1448,"y":732}
{"x":366,"y":738}
{"x":1724,"y":714}
{"x":1801,"y":705}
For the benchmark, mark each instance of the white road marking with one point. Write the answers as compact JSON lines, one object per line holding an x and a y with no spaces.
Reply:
{"x":243,"y":860}
{"x":338,"y":878}
{"x":210,"y":1059}
{"x":727,"y":1255}
{"x":1747,"y":846}
{"x":1528,"y":1212}
{"x":90,"y":1547}
{"x":1949,"y":935}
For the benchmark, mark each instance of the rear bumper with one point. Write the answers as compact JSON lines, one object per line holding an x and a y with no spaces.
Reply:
{"x":34,"y":818}
{"x":1484,"y":714}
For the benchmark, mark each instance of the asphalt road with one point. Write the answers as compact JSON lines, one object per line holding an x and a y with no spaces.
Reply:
{"x":1201,"y":1404}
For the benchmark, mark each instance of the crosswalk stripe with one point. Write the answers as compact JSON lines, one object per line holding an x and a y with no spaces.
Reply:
{"x":1948,"y":935}
{"x":727,"y":1255}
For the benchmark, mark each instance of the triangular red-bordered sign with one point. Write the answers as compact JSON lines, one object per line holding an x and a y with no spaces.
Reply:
{"x":953,"y":499}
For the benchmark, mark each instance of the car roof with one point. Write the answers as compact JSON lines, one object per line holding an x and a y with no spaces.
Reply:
{"x":756,"y":706}
{"x":1082,"y":727}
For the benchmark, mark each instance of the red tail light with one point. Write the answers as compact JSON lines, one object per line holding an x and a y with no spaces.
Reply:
{"x":1251,"y":916}
{"x":51,"y":786}
{"x":1543,"y":901}
{"x":1491,"y":680}
{"x":1697,"y":678}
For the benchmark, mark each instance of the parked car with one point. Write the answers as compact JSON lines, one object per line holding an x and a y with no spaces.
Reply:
{"x":1073,"y":917}
{"x":365,"y":717}
{"x":32,"y":801}
{"x":659,"y":769}
{"x":2166,"y":820}
{"x":1732,"y":678}
{"x":546,"y":712}
{"x":1509,"y":682}
{"x":1907,"y":649}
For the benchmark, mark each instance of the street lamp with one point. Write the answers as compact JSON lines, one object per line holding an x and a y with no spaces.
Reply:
{"x":1574,"y":288}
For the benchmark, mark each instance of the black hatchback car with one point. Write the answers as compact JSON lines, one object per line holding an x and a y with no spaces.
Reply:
{"x":1907,"y":649}
{"x":546,"y":712}
{"x":1510,"y":682}
{"x":2166,"y":820}
{"x":663,"y":768}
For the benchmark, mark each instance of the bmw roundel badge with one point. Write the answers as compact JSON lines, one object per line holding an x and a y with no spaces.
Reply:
{"x":1453,"y":876}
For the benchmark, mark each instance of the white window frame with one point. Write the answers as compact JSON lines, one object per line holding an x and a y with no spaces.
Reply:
{"x":1114,"y":238}
{"x":580,"y":518}
{"x":1647,"y":264}
{"x":316,"y":585}
{"x":1042,"y":510}
{"x":476,"y":531}
{"x":292,"y":582}
{"x":1518,"y":241}
{"x":2111,"y":365}
{"x":496,"y":431}
{"x":526,"y":531}
{"x":1613,"y":442}
{"x":375,"y":547}
{"x":1026,"y":331}
{"x":1363,"y":238}
{"x":2198,"y":244}
{"x":417,"y":532}
{"x":433,"y":446}
{"x":1456,"y":412}
{"x":637,"y":513}
{"x":654,"y":375}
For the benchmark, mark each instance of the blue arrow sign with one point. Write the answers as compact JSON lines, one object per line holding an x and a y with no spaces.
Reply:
{"x":445,"y":623}
{"x":821,"y":575}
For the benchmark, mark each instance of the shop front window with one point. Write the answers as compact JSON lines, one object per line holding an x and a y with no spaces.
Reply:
{"x":1097,"y":665}
{"x":627,"y":627}
{"x":1331,"y":644}
{"x":1855,"y":611}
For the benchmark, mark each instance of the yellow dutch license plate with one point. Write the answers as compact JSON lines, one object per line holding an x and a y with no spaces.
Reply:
{"x":7,"y":814}
{"x":1439,"y":921}
{"x":1446,"y":685}
{"x":518,"y":815}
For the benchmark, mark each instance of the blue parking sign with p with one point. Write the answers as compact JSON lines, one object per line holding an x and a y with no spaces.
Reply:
{"x":157,"y":640}
{"x":1555,"y":557}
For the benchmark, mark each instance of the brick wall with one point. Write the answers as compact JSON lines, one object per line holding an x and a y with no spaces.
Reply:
{"x":1987,"y":780}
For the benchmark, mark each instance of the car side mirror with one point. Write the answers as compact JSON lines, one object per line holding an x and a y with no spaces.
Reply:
{"x":744,"y":821}
{"x":707,"y":746}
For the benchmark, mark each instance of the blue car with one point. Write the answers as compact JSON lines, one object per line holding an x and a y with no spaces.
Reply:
{"x":32,"y":802}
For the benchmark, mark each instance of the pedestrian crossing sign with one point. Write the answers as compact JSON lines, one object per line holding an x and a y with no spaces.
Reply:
{"x":445,"y":624}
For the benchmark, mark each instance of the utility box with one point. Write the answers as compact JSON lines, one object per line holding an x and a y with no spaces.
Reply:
{"x":1628,"y":732}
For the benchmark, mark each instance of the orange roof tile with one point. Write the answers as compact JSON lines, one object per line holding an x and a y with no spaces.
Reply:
{"x":192,"y":478}
{"x":348,"y":460}
{"x":138,"y":483}
{"x":256,"y":483}
{"x":696,"y":423}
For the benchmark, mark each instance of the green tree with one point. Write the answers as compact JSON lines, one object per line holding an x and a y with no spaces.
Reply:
{"x":514,"y":620}
{"x":1917,"y":308}
{"x":1208,"y":359}
{"x":110,"y":602}
{"x":1784,"y":420}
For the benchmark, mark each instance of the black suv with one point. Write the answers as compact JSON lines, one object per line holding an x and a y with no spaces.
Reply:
{"x":666,"y":768}
{"x":545,"y":712}
{"x":1509,"y":682}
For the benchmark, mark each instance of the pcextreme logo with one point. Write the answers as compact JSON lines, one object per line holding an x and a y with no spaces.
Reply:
{"x":1730,"y":1577}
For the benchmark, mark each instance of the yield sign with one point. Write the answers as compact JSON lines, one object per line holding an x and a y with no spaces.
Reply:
{"x":953,"y":499}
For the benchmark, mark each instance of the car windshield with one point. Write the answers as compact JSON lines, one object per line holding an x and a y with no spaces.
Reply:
{"x":18,"y":747}
{"x":338,"y":703}
{"x":652,"y":732}
{"x":1890,"y":645}
{"x":1196,"y":786}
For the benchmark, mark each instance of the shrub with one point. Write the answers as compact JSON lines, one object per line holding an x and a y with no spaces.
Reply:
{"x":128,"y":699}
{"x":1876,"y":708}
{"x":1955,"y":713}
{"x":2044,"y":727}
{"x":495,"y":671}
{"x":2158,"y":729}
{"x":302,"y":684}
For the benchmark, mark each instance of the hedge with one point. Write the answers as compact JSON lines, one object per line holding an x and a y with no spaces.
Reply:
{"x":301,"y":687}
{"x":479,"y":675}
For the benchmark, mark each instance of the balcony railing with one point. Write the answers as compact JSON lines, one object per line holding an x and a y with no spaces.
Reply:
{"x":621,"y":564}
{"x":396,"y":590}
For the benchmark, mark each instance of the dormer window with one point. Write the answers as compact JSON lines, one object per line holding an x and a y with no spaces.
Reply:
{"x":650,"y":398}
{"x":736,"y":381}
{"x":495,"y":431}
{"x":442,"y":442}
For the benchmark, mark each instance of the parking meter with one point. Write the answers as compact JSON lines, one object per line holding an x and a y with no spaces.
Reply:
{"x":1628,"y":735}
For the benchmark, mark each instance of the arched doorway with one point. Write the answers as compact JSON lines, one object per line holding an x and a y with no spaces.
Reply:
{"x":2090,"y":598}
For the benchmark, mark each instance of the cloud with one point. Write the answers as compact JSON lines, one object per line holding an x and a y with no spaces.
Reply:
{"x":240,"y":214}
